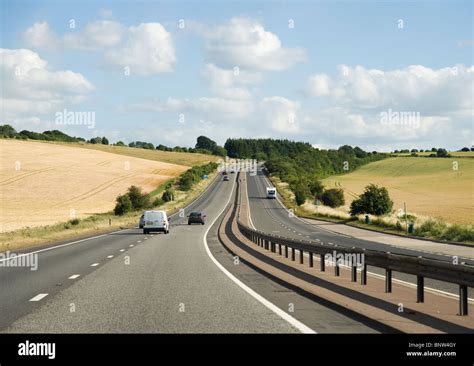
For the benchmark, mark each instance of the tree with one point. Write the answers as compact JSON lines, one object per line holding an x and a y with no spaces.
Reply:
{"x":375,"y":201}
{"x":132,"y":144}
{"x":96,"y":140}
{"x":333,"y":197}
{"x":441,"y":153}
{"x":123,"y":205}
{"x":316,"y":188}
{"x":120,"y":143}
{"x":465,"y":149}
{"x":168,"y":195}
{"x":138,"y":199}
{"x":205,"y":143}
{"x":104,"y":141}
{"x":7,"y":131}
{"x":300,"y":195}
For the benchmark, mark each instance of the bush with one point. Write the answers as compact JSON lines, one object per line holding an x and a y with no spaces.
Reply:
{"x":194,"y":175}
{"x":316,"y":188}
{"x":138,"y":199}
{"x":168,"y":195}
{"x":375,"y":201}
{"x":123,"y":205}
{"x":74,"y":221}
{"x":158,"y":202}
{"x":300,"y":196}
{"x":333,"y":197}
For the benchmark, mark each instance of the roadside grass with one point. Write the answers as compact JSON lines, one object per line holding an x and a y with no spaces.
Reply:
{"x":96,"y":224}
{"x":429,"y":228}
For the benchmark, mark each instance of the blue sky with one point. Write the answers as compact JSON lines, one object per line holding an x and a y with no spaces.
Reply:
{"x":327,"y":80}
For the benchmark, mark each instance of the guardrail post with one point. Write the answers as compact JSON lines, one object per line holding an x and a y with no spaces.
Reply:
{"x":286,"y":251}
{"x":311,"y":264}
{"x":363,"y":275}
{"x":301,"y":256}
{"x":420,"y":289}
{"x":463,"y":300}
{"x":292,"y":254}
{"x":322,"y":263}
{"x":265,"y":242}
{"x":272,"y":244}
{"x":388,"y":280}
{"x":279,"y":248}
{"x":337,"y":271}
{"x":354,"y":274}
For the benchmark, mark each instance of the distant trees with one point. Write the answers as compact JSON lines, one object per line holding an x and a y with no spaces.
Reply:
{"x":465,"y":149}
{"x":375,"y":201}
{"x":442,"y":153}
{"x":99,"y":140}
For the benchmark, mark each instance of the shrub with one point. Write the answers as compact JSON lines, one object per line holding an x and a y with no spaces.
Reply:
{"x":123,"y":205}
{"x":168,"y":195}
{"x":431,"y":227}
{"x":138,"y":199}
{"x":300,"y":196}
{"x":158,"y":202}
{"x":316,"y":188}
{"x":333,"y":197}
{"x":74,"y":221}
{"x":375,"y":201}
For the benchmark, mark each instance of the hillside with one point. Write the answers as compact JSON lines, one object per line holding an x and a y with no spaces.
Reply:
{"x":43,"y":183}
{"x":429,"y":186}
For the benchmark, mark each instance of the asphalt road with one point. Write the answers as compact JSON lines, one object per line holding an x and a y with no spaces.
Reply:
{"x":164,"y":283}
{"x":270,"y":216}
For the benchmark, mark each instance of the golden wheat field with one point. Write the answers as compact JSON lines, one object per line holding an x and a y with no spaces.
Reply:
{"x":41,"y":183}
{"x":432,"y":187}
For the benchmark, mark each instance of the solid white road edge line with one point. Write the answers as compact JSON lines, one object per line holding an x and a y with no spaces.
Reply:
{"x":39,"y":297}
{"x":294,"y":322}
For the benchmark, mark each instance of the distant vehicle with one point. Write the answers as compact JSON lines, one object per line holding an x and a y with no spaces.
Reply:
{"x":156,"y":221}
{"x":224,"y":172}
{"x":142,"y":221}
{"x":271,"y":192}
{"x":196,"y":218}
{"x":232,"y":171}
{"x":226,"y":178}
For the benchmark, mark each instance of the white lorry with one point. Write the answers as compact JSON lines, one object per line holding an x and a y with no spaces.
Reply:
{"x":271,"y":192}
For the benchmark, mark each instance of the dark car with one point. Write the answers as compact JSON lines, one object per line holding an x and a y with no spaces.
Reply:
{"x":226,"y":178}
{"x":196,"y":218}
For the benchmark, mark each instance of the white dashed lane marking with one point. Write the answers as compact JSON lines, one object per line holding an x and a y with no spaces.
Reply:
{"x":110,"y":256}
{"x":94,"y":264}
{"x":73,"y":277}
{"x":39,"y":297}
{"x":122,"y":250}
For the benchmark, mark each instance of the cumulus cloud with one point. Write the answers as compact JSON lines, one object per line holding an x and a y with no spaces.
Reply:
{"x":95,"y":35}
{"x":231,"y":83}
{"x":244,"y":42}
{"x":146,"y":49}
{"x":30,"y":87}
{"x":416,"y":87}
{"x":281,"y":114}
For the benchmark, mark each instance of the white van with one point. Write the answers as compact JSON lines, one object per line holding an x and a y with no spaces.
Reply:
{"x":156,"y":221}
{"x":271,"y":192}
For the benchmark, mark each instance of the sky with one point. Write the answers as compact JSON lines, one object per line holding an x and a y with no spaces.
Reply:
{"x":381,"y":75}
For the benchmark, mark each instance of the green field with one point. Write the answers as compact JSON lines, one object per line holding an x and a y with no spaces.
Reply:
{"x":429,"y":186}
{"x":460,"y":154}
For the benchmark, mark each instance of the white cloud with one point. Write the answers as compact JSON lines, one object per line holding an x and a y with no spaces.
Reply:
{"x":30,"y":87}
{"x":148,"y":50}
{"x":414,"y":88}
{"x":230,"y":83}
{"x":244,"y":42}
{"x":281,"y":114}
{"x":95,"y":35}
